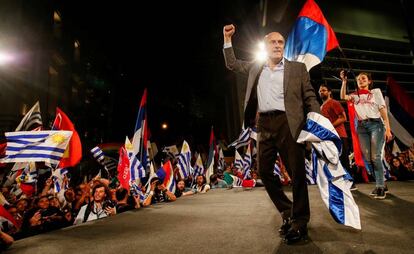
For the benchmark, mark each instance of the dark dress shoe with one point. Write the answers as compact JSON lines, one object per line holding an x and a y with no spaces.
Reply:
{"x":285,"y":227}
{"x":296,"y":235}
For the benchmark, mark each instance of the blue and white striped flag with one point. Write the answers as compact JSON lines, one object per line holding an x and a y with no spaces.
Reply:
{"x":237,"y":182}
{"x":238,"y":161}
{"x":137,"y":170}
{"x":171,"y":151}
{"x":98,"y":154}
{"x":198,"y":167}
{"x":333,"y":181}
{"x":137,"y":191}
{"x":247,"y":163}
{"x":109,"y":164}
{"x":172,"y":184}
{"x":57,"y":178}
{"x":221,"y":164}
{"x":277,"y":171}
{"x":311,"y":169}
{"x":184,"y":161}
{"x":32,"y":146}
{"x":242,"y":140}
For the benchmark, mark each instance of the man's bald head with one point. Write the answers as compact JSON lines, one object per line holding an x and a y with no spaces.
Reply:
{"x":275,"y":45}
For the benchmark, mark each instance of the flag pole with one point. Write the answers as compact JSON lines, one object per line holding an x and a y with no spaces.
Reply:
{"x":349,"y":67}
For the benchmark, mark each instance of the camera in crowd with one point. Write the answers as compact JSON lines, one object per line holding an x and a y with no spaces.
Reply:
{"x":108,"y":203}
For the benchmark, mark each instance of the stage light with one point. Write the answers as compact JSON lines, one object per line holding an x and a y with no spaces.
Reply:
{"x":164,"y":126}
{"x":261,"y":54}
{"x":5,"y":58}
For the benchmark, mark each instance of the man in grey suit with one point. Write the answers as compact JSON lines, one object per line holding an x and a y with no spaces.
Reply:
{"x":278,"y":97}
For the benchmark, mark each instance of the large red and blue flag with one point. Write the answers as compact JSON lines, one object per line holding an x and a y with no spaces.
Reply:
{"x":166,"y":176}
{"x":140,"y":139}
{"x":311,"y":37}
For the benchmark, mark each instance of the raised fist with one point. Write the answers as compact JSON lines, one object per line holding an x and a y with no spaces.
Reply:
{"x":229,"y":30}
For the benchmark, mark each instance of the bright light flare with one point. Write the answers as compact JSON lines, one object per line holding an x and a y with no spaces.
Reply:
{"x":5,"y":58}
{"x":164,"y":126}
{"x":261,"y":54}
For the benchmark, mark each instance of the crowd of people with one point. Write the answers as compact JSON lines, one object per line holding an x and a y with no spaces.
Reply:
{"x":96,"y":199}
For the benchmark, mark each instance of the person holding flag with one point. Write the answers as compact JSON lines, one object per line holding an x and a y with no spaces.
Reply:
{"x":373,"y":125}
{"x":281,"y":92}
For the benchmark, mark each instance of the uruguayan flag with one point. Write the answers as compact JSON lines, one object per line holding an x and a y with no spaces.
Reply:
{"x":137,"y":170}
{"x":333,"y":181}
{"x":98,"y":154}
{"x":247,"y":163}
{"x":238,"y":161}
{"x":29,"y":174}
{"x":27,"y":146}
{"x":242,"y":140}
{"x":237,"y":182}
{"x":137,"y":191}
{"x":311,"y":169}
{"x":221,"y":162}
{"x":198,"y":167}
{"x":184,"y":161}
{"x":276,"y":171}
{"x":58,"y":177}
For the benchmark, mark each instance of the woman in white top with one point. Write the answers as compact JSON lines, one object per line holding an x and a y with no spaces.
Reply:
{"x":373,"y":125}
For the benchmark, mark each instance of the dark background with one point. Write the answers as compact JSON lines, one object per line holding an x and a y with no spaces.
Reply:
{"x":172,"y":48}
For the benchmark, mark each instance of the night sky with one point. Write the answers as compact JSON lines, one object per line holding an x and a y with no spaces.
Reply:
{"x":173,"y":48}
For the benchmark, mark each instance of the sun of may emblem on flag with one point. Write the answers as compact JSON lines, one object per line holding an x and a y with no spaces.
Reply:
{"x":129,"y":146}
{"x":58,"y":138}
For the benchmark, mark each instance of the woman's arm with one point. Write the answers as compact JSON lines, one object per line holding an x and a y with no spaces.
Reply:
{"x":384,"y":115}
{"x":343,"y":94}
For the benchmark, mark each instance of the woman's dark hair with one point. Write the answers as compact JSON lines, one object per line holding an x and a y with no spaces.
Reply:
{"x":213,"y":178}
{"x":107,"y":191}
{"x":121,"y":194}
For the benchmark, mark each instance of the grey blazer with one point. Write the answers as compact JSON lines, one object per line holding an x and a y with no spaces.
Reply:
{"x":299,"y":94}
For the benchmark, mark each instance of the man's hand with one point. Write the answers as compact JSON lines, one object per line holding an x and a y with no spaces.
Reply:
{"x":228,"y":32}
{"x":110,"y":211}
{"x":161,"y":187}
{"x":153,"y":184}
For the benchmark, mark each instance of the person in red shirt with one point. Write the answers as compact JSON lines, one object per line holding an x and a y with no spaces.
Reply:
{"x":334,"y":111}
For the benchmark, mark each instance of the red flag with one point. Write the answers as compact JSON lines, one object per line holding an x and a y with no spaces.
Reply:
{"x":213,"y":154}
{"x":6,"y":216}
{"x":399,"y":94}
{"x":359,"y":160}
{"x":73,"y":153}
{"x":2,"y":152}
{"x":124,"y":173}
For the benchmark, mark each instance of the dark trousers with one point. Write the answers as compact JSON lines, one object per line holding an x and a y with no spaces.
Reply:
{"x":274,"y":136}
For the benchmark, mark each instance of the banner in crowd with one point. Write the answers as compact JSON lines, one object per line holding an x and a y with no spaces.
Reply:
{"x":27,"y":146}
{"x":73,"y":153}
